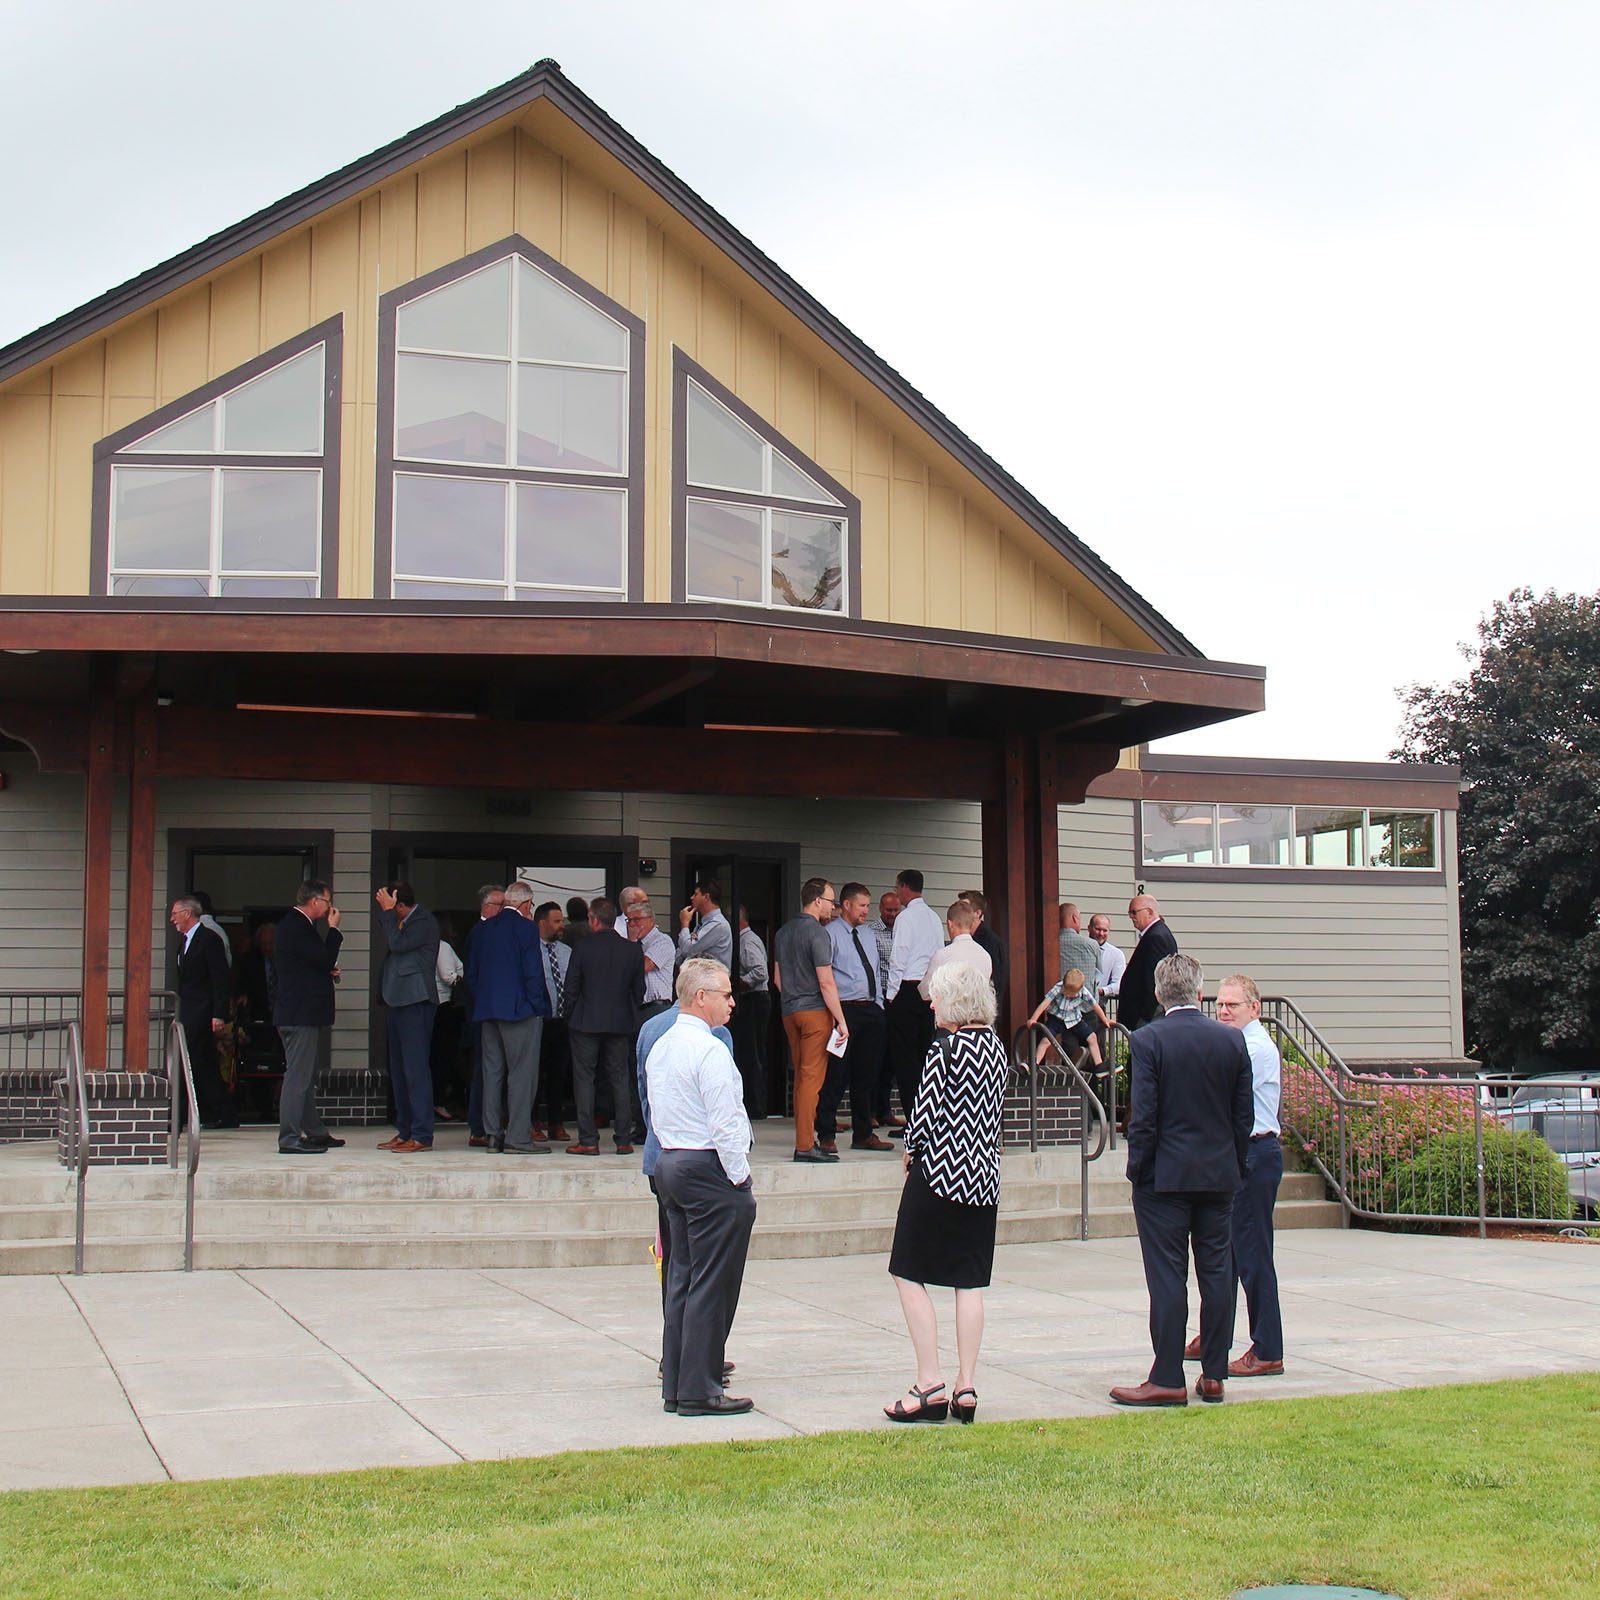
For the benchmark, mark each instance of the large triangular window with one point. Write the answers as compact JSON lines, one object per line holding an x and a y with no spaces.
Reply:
{"x":759,"y":524}
{"x":228,"y":492}
{"x":512,"y":413}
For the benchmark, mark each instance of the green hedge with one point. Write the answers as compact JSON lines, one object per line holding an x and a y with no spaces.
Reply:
{"x":1522,"y":1177}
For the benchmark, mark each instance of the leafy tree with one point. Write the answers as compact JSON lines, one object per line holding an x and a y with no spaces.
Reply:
{"x":1524,"y":727}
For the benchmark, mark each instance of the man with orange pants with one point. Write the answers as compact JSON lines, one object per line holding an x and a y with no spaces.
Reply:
{"x":802,"y":972}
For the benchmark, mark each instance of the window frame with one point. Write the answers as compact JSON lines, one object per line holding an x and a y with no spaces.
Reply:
{"x":848,"y":511}
{"x":390,"y":464}
{"x":113,"y":451}
{"x":1221,"y":872}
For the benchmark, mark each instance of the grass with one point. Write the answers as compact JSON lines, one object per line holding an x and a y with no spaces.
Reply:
{"x":1434,"y":1494}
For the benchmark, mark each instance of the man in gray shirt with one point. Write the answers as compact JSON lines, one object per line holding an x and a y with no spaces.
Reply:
{"x":712,"y":938}
{"x":802,"y":968}
{"x":1077,"y":948}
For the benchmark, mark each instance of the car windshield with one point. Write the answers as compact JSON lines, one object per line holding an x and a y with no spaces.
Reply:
{"x":1576,"y":1086}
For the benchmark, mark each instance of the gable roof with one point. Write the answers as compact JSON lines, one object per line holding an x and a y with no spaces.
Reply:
{"x":545,"y":81}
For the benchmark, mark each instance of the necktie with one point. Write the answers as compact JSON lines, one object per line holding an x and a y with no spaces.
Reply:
{"x":866,"y":966}
{"x":556,"y":985}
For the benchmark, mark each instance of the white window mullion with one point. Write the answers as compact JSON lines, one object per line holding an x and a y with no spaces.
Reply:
{"x":511,"y":542}
{"x":214,"y":583}
{"x":766,"y":553}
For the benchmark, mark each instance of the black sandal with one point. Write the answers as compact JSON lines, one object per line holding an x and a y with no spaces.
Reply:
{"x":964,"y":1413}
{"x":930,"y":1410}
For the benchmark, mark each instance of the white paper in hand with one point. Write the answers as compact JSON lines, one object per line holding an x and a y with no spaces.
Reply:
{"x":837,"y":1043}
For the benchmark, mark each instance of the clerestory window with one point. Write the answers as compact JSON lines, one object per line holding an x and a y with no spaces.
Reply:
{"x":229,"y":492}
{"x":512,"y":398}
{"x":758,"y":523}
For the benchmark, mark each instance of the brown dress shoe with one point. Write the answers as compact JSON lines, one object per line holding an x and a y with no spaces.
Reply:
{"x":874,"y":1143}
{"x":409,"y":1147}
{"x":1150,"y":1394}
{"x":583,"y":1149}
{"x":1250,"y":1365}
{"x":558,"y":1132}
{"x":1209,"y":1390}
{"x":479,"y":1141}
{"x":1191,"y":1351}
{"x":829,"y":1145}
{"x":389,"y":1144}
{"x":624,"y":1149}
{"x":537,"y":1133}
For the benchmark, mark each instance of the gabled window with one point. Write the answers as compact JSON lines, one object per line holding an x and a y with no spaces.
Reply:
{"x":231,"y":491}
{"x":757,"y":523}
{"x":511,"y":417}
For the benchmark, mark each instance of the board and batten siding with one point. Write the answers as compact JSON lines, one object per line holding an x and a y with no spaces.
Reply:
{"x":938,"y":548}
{"x":1375,"y":964}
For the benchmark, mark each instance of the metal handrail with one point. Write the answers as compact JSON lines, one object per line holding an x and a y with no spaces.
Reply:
{"x":179,"y":1070}
{"x":1024,"y":1051}
{"x":78,"y":1132}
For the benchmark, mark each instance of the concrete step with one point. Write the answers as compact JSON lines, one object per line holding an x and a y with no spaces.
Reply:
{"x":549,"y":1248}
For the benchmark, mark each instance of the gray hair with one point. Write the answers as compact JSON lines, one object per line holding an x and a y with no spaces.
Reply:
{"x":962,"y":996}
{"x":1178,"y":980}
{"x":191,"y":906}
{"x":697,"y":973}
{"x":489,"y":893}
{"x":518,"y":893}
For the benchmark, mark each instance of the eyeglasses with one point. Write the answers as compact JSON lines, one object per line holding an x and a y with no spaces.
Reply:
{"x":721,"y":994}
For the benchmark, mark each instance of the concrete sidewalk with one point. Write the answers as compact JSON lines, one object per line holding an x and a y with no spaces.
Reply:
{"x":120,"y":1378}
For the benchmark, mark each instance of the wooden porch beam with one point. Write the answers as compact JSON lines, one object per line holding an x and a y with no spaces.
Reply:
{"x":99,"y":779}
{"x":141,"y":881}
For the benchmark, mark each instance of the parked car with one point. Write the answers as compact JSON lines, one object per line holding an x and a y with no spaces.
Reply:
{"x":1583,"y":1086}
{"x":1572,"y":1129}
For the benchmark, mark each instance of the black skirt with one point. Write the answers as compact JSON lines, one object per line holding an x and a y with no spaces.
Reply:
{"x":941,"y":1241}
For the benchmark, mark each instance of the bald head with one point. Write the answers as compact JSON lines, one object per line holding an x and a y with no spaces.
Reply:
{"x":1069,"y":915}
{"x":1143,"y":910}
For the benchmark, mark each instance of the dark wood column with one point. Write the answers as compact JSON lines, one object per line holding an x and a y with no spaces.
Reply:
{"x":1009,"y":851}
{"x":97,"y":794}
{"x":141,"y":881}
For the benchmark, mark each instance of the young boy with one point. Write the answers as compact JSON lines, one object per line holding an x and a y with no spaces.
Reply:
{"x":1072,"y":1010}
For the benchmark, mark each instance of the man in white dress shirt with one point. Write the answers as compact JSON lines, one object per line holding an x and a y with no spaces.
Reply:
{"x":1112,"y":961}
{"x":659,"y":956}
{"x":710,"y":937}
{"x":703,"y":1180}
{"x":918,"y":937}
{"x":961,"y":923}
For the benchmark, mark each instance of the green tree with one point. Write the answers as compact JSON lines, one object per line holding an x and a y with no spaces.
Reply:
{"x":1523,"y":725}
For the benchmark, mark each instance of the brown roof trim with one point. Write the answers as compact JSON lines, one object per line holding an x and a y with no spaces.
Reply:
{"x":544,"y":80}
{"x":1288,"y":767}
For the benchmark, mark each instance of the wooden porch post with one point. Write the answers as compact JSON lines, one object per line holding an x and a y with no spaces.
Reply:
{"x":97,"y":794}
{"x":141,"y":882}
{"x":1047,"y":859}
{"x":1009,"y":852}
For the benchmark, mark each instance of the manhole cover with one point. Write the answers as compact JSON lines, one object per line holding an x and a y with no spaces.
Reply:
{"x":1311,"y":1591}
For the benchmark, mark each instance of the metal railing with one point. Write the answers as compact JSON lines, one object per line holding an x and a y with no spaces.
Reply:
{"x":180,"y":1074}
{"x":1031,"y":1051}
{"x":77,"y":1135}
{"x":33,"y":1025}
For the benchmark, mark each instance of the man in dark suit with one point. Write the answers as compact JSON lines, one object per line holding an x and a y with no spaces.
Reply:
{"x":1189,"y":1126}
{"x":510,"y":1003}
{"x":604,"y":991}
{"x":302,"y":1009}
{"x":203,"y":993}
{"x":410,"y":993}
{"x":1136,"y":1004}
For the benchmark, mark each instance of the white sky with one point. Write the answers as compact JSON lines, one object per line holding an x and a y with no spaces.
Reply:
{"x":1287,"y":308}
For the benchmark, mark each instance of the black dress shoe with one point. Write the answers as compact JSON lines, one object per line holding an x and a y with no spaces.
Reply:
{"x":325,"y":1142}
{"x":301,"y":1148}
{"x":725,"y":1405}
{"x":497,"y":1143}
{"x":669,"y":1405}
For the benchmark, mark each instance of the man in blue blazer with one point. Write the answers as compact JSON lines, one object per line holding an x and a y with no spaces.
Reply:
{"x":509,"y":998}
{"x":1189,"y":1119}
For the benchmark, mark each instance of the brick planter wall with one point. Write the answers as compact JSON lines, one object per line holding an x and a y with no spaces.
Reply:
{"x":353,"y":1097}
{"x":28,"y":1102}
{"x":128,"y":1116}
{"x":1060,"y":1116}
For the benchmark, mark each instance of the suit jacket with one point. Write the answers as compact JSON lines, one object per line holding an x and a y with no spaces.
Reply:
{"x":605,"y":986}
{"x":505,"y":970}
{"x":204,"y":990}
{"x":990,"y":940}
{"x":408,"y":969}
{"x":305,"y":960}
{"x":1136,"y":1003}
{"x":1190,"y":1105}
{"x":250,"y":981}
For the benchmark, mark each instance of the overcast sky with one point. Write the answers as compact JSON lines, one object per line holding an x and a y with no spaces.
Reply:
{"x":1289,"y":310}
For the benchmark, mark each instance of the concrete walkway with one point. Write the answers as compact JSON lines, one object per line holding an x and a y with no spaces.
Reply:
{"x":120,"y":1378}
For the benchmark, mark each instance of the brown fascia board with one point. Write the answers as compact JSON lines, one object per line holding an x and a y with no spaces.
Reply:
{"x":1280,"y":767}
{"x":545,"y":80}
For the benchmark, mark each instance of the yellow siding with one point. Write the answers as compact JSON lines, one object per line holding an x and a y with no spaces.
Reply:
{"x":938,"y":549}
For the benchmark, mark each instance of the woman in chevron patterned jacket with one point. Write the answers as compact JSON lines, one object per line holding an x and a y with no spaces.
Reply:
{"x":945,"y":1231}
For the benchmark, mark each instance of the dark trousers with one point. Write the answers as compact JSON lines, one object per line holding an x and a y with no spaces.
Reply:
{"x":1252,"y":1248}
{"x":608,"y":1053}
{"x":443,"y":1050}
{"x":752,"y":1020}
{"x":475,"y":1082}
{"x":555,"y":1074}
{"x":216,"y":1105}
{"x":298,"y":1117}
{"x":910,"y":1020}
{"x":710,"y":1222}
{"x":410,"y":1038}
{"x":857,"y":1069}
{"x":1169,"y":1223}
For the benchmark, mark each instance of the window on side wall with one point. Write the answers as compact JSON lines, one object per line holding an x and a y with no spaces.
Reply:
{"x":231,"y":491}
{"x":512,"y":422}
{"x":1191,"y":834}
{"x":759,"y":523}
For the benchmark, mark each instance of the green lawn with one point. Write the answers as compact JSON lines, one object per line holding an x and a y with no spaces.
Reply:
{"x":1485,"y":1490}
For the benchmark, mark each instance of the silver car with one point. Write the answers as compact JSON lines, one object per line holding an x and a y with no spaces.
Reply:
{"x":1571,"y":1127}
